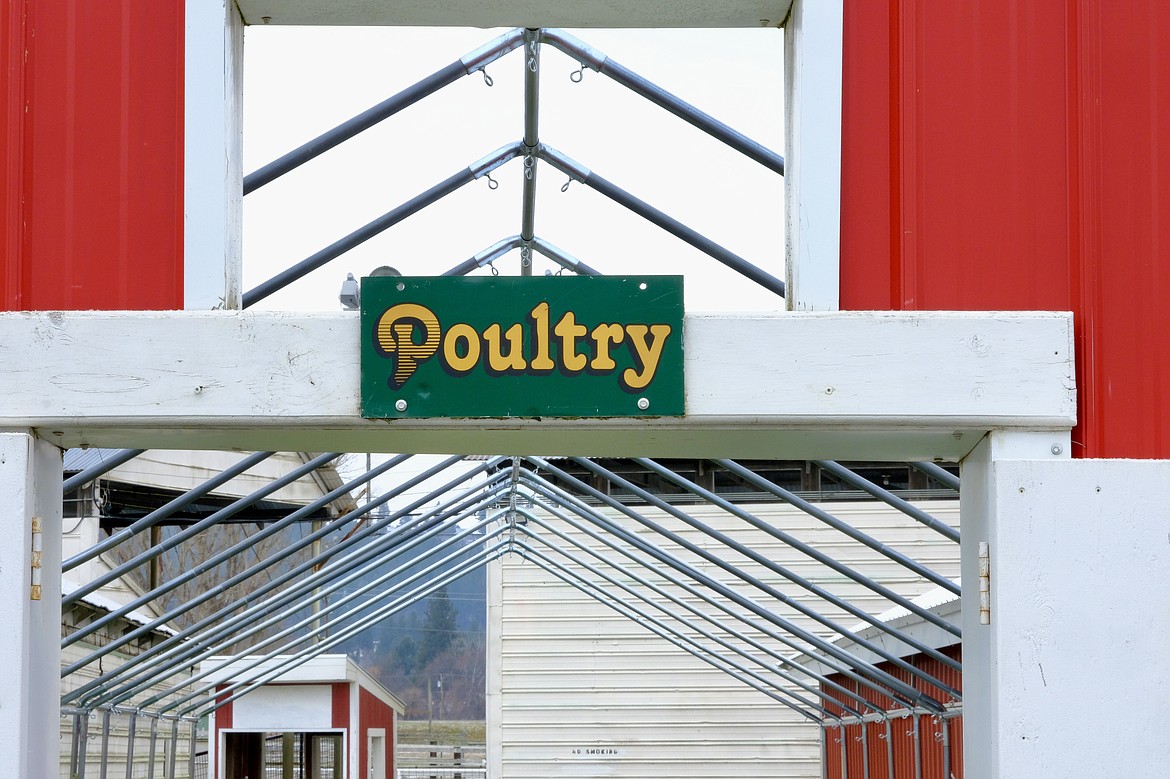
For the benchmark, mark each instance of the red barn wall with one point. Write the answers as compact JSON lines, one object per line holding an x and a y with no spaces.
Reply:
{"x":91,"y":206}
{"x":1006,"y":156}
{"x":373,"y":713}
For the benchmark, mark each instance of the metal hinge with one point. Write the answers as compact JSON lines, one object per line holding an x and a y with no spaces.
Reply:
{"x":37,"y":547}
{"x":984,"y":584}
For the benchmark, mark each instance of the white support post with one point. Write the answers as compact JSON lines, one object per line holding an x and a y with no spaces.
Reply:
{"x":812,"y":159}
{"x":213,"y":167}
{"x":30,"y":483}
{"x":493,"y":695}
{"x":1069,"y":678}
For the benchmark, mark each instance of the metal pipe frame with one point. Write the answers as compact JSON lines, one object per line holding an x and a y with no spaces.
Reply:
{"x":468,"y":64}
{"x":156,"y":516}
{"x":779,"y":535}
{"x":671,"y":225}
{"x":596,"y":60}
{"x":816,"y":512}
{"x":942,"y":476}
{"x":775,"y":568}
{"x":839,"y":659}
{"x":120,"y":457}
{"x":676,"y":616}
{"x":131,"y":730}
{"x":562,"y":258}
{"x":607,"y":541}
{"x":531,"y":142}
{"x":176,"y":650}
{"x":890,"y":499}
{"x":306,"y":655}
{"x":221,"y":557}
{"x":827,"y":518}
{"x":319,"y":595}
{"x":382,"y":223}
{"x":190,"y":532}
{"x":312,"y":619}
{"x":485,"y":257}
{"x":672,"y":635}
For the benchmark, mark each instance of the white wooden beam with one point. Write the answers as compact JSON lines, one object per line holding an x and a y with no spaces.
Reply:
{"x":518,"y":13}
{"x":905,"y":385}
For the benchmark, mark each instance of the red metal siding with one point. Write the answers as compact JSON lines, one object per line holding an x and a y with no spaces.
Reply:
{"x":372,"y":713}
{"x":1005,"y":156}
{"x":93,"y":154}
{"x":871,"y":750}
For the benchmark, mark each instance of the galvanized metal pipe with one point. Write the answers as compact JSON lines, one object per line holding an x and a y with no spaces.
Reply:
{"x":103,"y":768}
{"x":174,"y":651}
{"x":941,"y":475}
{"x":156,"y":516}
{"x":817,"y":513}
{"x":171,"y":758}
{"x":840,"y":661}
{"x":865,"y":751}
{"x":531,"y":141}
{"x":678,"y":617}
{"x":696,"y":593}
{"x":243,"y":687}
{"x":946,"y":742}
{"x":381,"y":224}
{"x":890,"y":499}
{"x":133,"y":725}
{"x":214,"y":519}
{"x":771,"y":565}
{"x":850,"y":661}
{"x":178,"y":651}
{"x":562,"y":258}
{"x":211,"y":563}
{"x":917,"y":748}
{"x":319,"y":594}
{"x":473,"y":61}
{"x":310,"y":621}
{"x":594,"y":59}
{"x":195,"y":745}
{"x":648,"y":212}
{"x":485,"y":257}
{"x":889,"y":749}
{"x":786,"y":538}
{"x":153,"y":747}
{"x":120,"y":457}
{"x":673,"y":636}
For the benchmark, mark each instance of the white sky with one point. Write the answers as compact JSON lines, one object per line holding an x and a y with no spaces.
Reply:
{"x":302,"y":81}
{"x":299,"y":82}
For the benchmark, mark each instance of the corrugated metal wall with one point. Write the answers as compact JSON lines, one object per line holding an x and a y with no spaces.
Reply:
{"x":930,"y":754}
{"x":575,"y":676}
{"x":1003,"y":155}
{"x":91,"y":134}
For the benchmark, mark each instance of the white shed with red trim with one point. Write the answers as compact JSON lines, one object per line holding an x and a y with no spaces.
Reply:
{"x":326,"y":716}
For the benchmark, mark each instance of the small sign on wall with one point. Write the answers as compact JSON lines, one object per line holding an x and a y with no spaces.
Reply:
{"x":514,"y":346}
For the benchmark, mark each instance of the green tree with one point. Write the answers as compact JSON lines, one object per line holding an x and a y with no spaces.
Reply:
{"x":438,"y":629}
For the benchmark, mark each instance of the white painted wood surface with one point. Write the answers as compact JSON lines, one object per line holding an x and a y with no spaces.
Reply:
{"x":519,"y":13}
{"x":30,"y":686}
{"x":812,"y":175}
{"x":572,"y":674}
{"x":862,"y":385}
{"x":213,"y":155}
{"x":1080,"y":616}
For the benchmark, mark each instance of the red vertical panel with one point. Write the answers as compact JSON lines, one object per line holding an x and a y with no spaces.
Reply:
{"x":1007,"y":156}
{"x":1124,"y":62}
{"x":103,"y":157}
{"x":373,"y":713}
{"x":340,"y":716}
{"x":12,"y":42}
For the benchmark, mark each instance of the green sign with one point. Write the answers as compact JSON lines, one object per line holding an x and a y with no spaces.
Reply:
{"x":514,"y":346}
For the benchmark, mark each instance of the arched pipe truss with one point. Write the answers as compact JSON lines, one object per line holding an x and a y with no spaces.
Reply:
{"x":518,"y":510}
